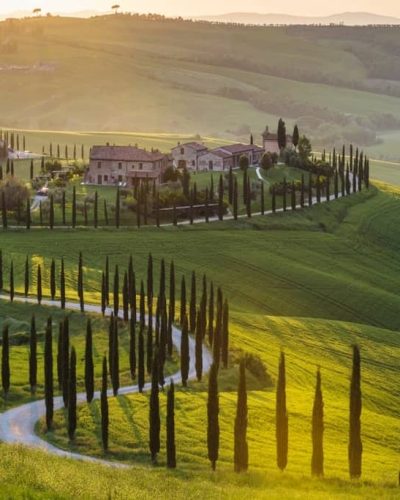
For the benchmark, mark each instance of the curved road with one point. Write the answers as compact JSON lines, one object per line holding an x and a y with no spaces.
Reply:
{"x":17,"y":426}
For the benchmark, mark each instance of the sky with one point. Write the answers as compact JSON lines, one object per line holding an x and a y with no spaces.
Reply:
{"x":203,"y":7}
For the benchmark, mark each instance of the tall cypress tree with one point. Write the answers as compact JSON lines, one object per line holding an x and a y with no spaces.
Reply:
{"x":39,"y":284}
{"x":80,"y":283}
{"x":141,"y":380}
{"x":125,"y":297}
{"x":210,"y":330}
{"x":65,"y":360}
{"x":107,"y":280}
{"x":115,"y":358}
{"x":89,"y":368}
{"x":12,"y":281}
{"x":27,"y":274}
{"x":72,"y":419}
{"x":293,"y":196}
{"x":142,"y":306}
{"x":104,"y":407}
{"x":235,"y":199}
{"x":154,"y":417}
{"x":192,"y":309}
{"x":317,"y":460}
{"x":59,"y":353}
{"x":183,"y":299}
{"x":118,"y":209}
{"x":184,"y":353}
{"x":33,"y":356}
{"x":51,"y":215}
{"x":230,"y":186}
{"x":217,"y":340}
{"x":225,"y":335}
{"x":199,"y":348}
{"x":213,"y":417}
{"x":48,"y":375}
{"x":63,"y":208}
{"x":53,"y":279}
{"x":281,"y":417}
{"x":103,"y":294}
{"x":273,"y":201}
{"x":241,"y":452}
{"x":170,"y":444}
{"x":62,"y":284}
{"x":172,"y":291}
{"x":355,"y":444}
{"x":74,"y":207}
{"x":116,"y":291}
{"x":132,"y":347}
{"x":5,"y":361}
{"x":221,"y":198}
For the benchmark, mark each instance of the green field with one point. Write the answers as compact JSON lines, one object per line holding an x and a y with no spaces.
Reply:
{"x":313,"y":283}
{"x":339,"y":84}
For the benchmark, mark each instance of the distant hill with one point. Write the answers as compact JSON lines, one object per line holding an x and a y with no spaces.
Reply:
{"x":346,"y":18}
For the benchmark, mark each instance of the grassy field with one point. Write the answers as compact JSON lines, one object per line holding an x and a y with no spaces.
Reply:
{"x":149,"y":73}
{"x":313,"y":283}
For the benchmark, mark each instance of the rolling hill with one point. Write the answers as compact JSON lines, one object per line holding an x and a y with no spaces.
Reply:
{"x":156,"y":75}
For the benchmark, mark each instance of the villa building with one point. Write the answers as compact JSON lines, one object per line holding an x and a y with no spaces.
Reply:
{"x":225,"y":157}
{"x":187,"y":155}
{"x":124,"y":165}
{"x":270,"y":141}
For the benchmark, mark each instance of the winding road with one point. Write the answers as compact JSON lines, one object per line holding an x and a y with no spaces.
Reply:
{"x":17,"y":426}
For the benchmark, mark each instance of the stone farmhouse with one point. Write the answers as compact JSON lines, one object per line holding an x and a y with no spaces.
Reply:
{"x":229,"y":156}
{"x":124,"y":165}
{"x":187,"y":155}
{"x":270,"y":141}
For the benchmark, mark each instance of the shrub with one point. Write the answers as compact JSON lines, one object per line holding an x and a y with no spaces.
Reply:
{"x":16,"y":193}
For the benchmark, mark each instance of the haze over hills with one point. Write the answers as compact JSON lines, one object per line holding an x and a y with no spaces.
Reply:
{"x":346,"y":18}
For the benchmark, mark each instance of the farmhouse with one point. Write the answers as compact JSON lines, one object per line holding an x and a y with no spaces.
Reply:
{"x":270,"y":141}
{"x":187,"y":155}
{"x":124,"y":165}
{"x":229,"y":156}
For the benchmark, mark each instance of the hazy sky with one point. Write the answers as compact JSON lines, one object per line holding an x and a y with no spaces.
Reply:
{"x":193,"y":7}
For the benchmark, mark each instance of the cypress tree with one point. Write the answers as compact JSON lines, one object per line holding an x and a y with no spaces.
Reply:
{"x":154,"y":416}
{"x":172,"y":292}
{"x":355,"y":444}
{"x":293,"y":196}
{"x":39,"y":284}
{"x":348,"y":184}
{"x":12,"y":281}
{"x":63,"y":208}
{"x":241,"y":452}
{"x":80,"y":283}
{"x":72,"y":396}
{"x":89,"y":368}
{"x":103,"y":294}
{"x":74,"y":207}
{"x":310,"y":191}
{"x":336,"y":187}
{"x":184,"y":353}
{"x":33,"y":356}
{"x":150,"y":285}
{"x":53,"y":279}
{"x":210,"y":329}
{"x":318,"y":189}
{"x":107,"y":280}
{"x":162,"y":345}
{"x":248,"y":199}
{"x":207,"y":207}
{"x":132,"y":347}
{"x":302,"y":191}
{"x":115,"y":358}
{"x":5,"y":361}
{"x":141,"y":380}
{"x":27,"y":272}
{"x":104,"y":407}
{"x":125,"y":297}
{"x":28,"y":214}
{"x":317,"y":461}
{"x":212,"y":188}
{"x":183,"y":299}
{"x":199,"y":348}
{"x":212,"y":417}
{"x":62,"y":284}
{"x":192,"y":309}
{"x":117,"y":209}
{"x":281,"y":417}
{"x":328,"y":188}
{"x":105,"y":212}
{"x":230,"y":186}
{"x":284,"y":198}
{"x":65,"y":360}
{"x":31,"y":170}
{"x":48,"y":376}
{"x":116,"y":291}
{"x":221,"y":198}
{"x":235,"y":199}
{"x":203,"y":308}
{"x":225,"y":335}
{"x":1,"y":271}
{"x":149,"y":349}
{"x":218,"y":330}
{"x":51,"y":216}
{"x":59,"y":354}
{"x":4,"y":210}
{"x":174,"y":215}
{"x":170,"y":445}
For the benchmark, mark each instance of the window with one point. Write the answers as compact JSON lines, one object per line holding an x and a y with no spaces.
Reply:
{"x":120,"y":166}
{"x":140,"y":166}
{"x":193,"y":163}
{"x":182,"y":151}
{"x":99,"y":164}
{"x":120,"y":178}
{"x":106,"y":178}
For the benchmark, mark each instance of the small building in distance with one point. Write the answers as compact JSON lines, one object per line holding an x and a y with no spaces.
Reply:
{"x":124,"y":165}
{"x":187,"y":155}
{"x":225,"y":157}
{"x":270,"y":141}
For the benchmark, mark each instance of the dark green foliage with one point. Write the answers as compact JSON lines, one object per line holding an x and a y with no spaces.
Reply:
{"x":65,"y":360}
{"x":235,"y":199}
{"x":210,"y":329}
{"x":33,"y":356}
{"x":132,"y":347}
{"x":192,"y":308}
{"x":118,"y":209}
{"x":51,"y":215}
{"x":318,"y":186}
{"x":170,"y":444}
{"x":5,"y":361}
{"x":317,"y":460}
{"x":310,"y":191}
{"x":221,"y":198}
{"x":107,"y":280}
{"x":89,"y":368}
{"x":104,"y":407}
{"x":4,"y":210}
{"x":172,"y":292}
{"x":103,"y":294}
{"x":262,"y":198}
{"x":39,"y":284}
{"x":154,"y":411}
{"x":1,"y":271}
{"x":116,"y":291}
{"x":199,"y":348}
{"x":53,"y":279}
{"x":96,"y":210}
{"x":336,"y":187}
{"x":248,"y":199}
{"x":244,"y":187}
{"x":217,"y":340}
{"x":125,"y":297}
{"x":213,"y":417}
{"x":230,"y":186}
{"x":281,"y":134}
{"x":114,"y":360}
{"x":12,"y":281}
{"x":241,"y":451}
{"x":284,"y":195}
{"x":141,"y":380}
{"x":62,"y":284}
{"x":281,"y":417}
{"x":26,"y":277}
{"x":105,"y":212}
{"x":225,"y":335}
{"x":355,"y":444}
{"x":185,"y":358}
{"x":80,"y":283}
{"x":183,"y":299}
{"x":48,"y":375}
{"x":72,"y":419}
{"x":296,"y":136}
{"x":73,"y":207}
{"x":63,"y":208}
{"x":293,"y":196}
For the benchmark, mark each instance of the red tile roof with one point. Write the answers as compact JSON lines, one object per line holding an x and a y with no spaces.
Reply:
{"x":124,"y":153}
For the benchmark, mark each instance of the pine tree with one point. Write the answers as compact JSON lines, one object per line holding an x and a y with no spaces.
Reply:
{"x":5,"y":361}
{"x":104,"y":407}
{"x":89,"y":368}
{"x":199,"y":348}
{"x":355,"y":444}
{"x":184,"y":353}
{"x":241,"y":452}
{"x":225,"y":335}
{"x":183,"y":299}
{"x":170,"y":444}
{"x":48,"y":375}
{"x":80,"y":283}
{"x":62,"y":284}
{"x":39,"y":284}
{"x":281,"y":417}
{"x":33,"y":356}
{"x":213,"y":417}
{"x":27,"y":274}
{"x":72,"y":419}
{"x":154,"y":416}
{"x":141,"y":380}
{"x":132,"y":347}
{"x":53,"y":279}
{"x":317,"y":461}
